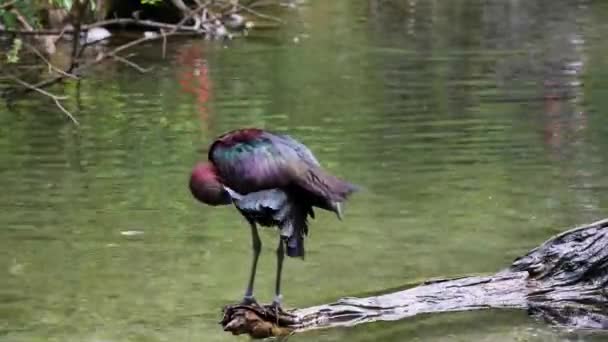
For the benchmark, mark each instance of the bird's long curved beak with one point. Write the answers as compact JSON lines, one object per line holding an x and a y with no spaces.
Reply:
{"x":235,"y":195}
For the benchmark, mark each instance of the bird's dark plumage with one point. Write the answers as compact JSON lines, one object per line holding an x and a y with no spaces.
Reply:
{"x":252,"y":160}
{"x":273,"y":180}
{"x":276,"y":207}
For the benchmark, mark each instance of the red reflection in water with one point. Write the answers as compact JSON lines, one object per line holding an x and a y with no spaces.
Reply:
{"x":193,"y":77}
{"x":563,"y":121}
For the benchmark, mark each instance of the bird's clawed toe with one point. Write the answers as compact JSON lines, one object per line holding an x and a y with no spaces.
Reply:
{"x":249,"y":301}
{"x":277,"y":309}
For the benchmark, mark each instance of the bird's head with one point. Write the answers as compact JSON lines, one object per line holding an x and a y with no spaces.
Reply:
{"x":206,"y":186}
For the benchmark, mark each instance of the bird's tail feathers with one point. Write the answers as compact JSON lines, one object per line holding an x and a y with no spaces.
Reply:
{"x":293,"y":232}
{"x":327,"y":186}
{"x":295,"y":246}
{"x":338,"y":210}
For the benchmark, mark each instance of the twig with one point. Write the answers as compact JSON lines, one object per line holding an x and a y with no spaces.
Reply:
{"x":62,"y":32}
{"x":164,"y":43}
{"x":67,"y":113}
{"x":22,"y":19}
{"x":35,"y":32}
{"x":80,"y":8}
{"x":50,"y":65}
{"x":7,"y":4}
{"x":200,"y":7}
{"x":131,"y":44}
{"x":37,"y":89}
{"x":54,"y":97}
{"x":258,"y":14}
{"x":131,"y":64}
{"x":143,"y":23}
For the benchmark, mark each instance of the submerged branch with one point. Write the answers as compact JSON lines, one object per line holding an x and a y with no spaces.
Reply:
{"x":563,"y":282}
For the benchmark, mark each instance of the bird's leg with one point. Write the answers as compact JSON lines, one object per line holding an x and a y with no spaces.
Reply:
{"x":257,"y":247}
{"x":277,"y":287}
{"x":278,"y":297}
{"x":276,"y":302}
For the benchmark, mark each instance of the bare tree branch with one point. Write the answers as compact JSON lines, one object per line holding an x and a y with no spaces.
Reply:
{"x":103,"y":23}
{"x":180,"y":5}
{"x":66,"y":112}
{"x":259,"y":14}
{"x":50,"y":65}
{"x":37,"y":89}
{"x":53,"y":97}
{"x":162,"y":32}
{"x":22,"y":19}
{"x":130,"y":63}
{"x":7,"y":4}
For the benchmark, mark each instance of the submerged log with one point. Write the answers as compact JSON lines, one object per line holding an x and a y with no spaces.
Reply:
{"x":563,"y":282}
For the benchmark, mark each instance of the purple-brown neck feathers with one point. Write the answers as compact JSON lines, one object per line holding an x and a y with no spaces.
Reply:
{"x":206,"y":186}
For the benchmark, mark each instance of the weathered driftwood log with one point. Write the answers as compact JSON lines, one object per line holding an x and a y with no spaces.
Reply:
{"x":563,"y":281}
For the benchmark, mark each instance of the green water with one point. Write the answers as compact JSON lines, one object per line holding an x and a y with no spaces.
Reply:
{"x":477,"y":128}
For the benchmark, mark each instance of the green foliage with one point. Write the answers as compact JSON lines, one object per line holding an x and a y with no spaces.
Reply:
{"x":7,"y":19}
{"x":66,"y":4}
{"x":150,"y":2}
{"x":30,"y":10}
{"x":13,"y":54}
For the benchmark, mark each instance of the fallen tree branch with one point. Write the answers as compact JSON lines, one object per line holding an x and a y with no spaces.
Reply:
{"x":139,"y":22}
{"x":562,"y":282}
{"x":103,"y":23}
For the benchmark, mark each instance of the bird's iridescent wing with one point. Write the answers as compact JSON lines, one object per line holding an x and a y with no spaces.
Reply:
{"x":303,"y":152}
{"x":253,"y":160}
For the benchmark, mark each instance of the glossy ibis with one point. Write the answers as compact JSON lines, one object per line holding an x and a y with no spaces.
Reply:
{"x":273,"y":180}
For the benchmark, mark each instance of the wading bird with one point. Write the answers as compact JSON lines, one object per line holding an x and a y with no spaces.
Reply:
{"x":273,"y":180}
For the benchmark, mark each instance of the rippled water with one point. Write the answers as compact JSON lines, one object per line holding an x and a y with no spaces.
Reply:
{"x":477,"y":129}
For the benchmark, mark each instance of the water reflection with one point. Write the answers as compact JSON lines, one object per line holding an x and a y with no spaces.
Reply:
{"x":475,"y":127}
{"x":193,"y":77}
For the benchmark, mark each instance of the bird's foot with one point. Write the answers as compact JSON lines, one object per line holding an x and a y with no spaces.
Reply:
{"x":250,"y":301}
{"x":276,"y":309}
{"x":247,"y":302}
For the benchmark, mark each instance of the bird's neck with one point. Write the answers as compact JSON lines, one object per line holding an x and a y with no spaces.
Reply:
{"x":206,"y":186}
